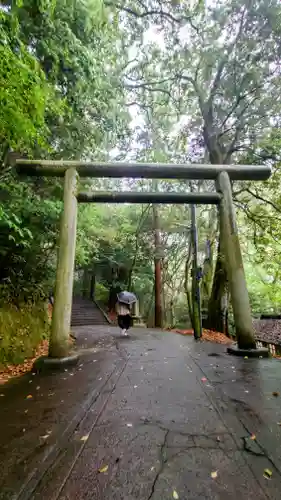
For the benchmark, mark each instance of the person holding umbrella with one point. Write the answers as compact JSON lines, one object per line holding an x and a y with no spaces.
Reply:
{"x":123,"y":310}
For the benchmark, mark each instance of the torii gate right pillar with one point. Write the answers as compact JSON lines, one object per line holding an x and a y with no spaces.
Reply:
{"x":234,"y":266}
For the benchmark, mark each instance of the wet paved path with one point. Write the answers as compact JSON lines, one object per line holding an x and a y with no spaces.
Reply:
{"x":156,"y":413}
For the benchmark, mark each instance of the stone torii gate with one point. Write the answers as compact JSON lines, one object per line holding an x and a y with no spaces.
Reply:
{"x":221,"y":174}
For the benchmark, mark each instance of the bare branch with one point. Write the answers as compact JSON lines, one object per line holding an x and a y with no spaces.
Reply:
{"x":268,"y":202}
{"x":140,"y":105}
{"x":153,"y":89}
{"x":238,"y":101}
{"x":195,"y":85}
{"x":156,"y":82}
{"x":146,"y":13}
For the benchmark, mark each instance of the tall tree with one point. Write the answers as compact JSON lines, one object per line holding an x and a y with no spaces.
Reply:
{"x":219,"y":68}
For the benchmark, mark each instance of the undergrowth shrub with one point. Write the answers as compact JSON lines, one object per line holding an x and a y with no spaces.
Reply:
{"x":21,"y":330}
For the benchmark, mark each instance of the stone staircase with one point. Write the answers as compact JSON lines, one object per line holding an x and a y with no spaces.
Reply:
{"x":85,"y":312}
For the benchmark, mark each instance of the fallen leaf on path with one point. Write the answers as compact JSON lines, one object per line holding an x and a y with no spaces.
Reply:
{"x":85,"y":438}
{"x":29,"y":396}
{"x":103,"y":469}
{"x":214,"y":474}
{"x":175,"y":495}
{"x":267,"y":473}
{"x":275,"y":394}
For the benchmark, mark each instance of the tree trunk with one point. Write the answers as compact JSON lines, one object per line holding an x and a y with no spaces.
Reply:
{"x":206,"y":286}
{"x":196,"y":300}
{"x":85,"y":283}
{"x":215,"y":319}
{"x":208,"y":266}
{"x":188,"y":294}
{"x":186,"y":285}
{"x":172,"y":319}
{"x":137,"y":235}
{"x":93,"y":285}
{"x":158,"y":269}
{"x":115,"y":288}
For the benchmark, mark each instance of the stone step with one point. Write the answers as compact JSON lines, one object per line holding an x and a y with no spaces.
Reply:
{"x":85,"y":312}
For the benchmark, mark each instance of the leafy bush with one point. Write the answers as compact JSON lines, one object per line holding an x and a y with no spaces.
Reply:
{"x":21,"y":330}
{"x":101,"y":293}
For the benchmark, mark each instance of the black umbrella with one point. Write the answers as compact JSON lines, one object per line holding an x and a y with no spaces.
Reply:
{"x":127,"y":298}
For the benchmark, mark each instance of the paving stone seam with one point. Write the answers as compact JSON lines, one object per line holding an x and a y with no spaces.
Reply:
{"x":91,"y":429}
{"x":52,"y":454}
{"x":240,"y":423}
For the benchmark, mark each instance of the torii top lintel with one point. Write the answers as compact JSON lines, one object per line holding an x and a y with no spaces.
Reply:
{"x":55,"y":168}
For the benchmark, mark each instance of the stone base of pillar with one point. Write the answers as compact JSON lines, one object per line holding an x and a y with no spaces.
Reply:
{"x":261,"y":352}
{"x":46,"y":363}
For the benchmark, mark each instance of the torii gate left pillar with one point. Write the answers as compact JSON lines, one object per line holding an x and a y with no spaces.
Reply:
{"x":61,"y":321}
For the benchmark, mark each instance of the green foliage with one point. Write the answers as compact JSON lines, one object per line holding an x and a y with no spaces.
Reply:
{"x":27,"y":98}
{"x":73,"y":43}
{"x":60,"y":96}
{"x":21,"y":330}
{"x":28,"y":230}
{"x":101,"y":293}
